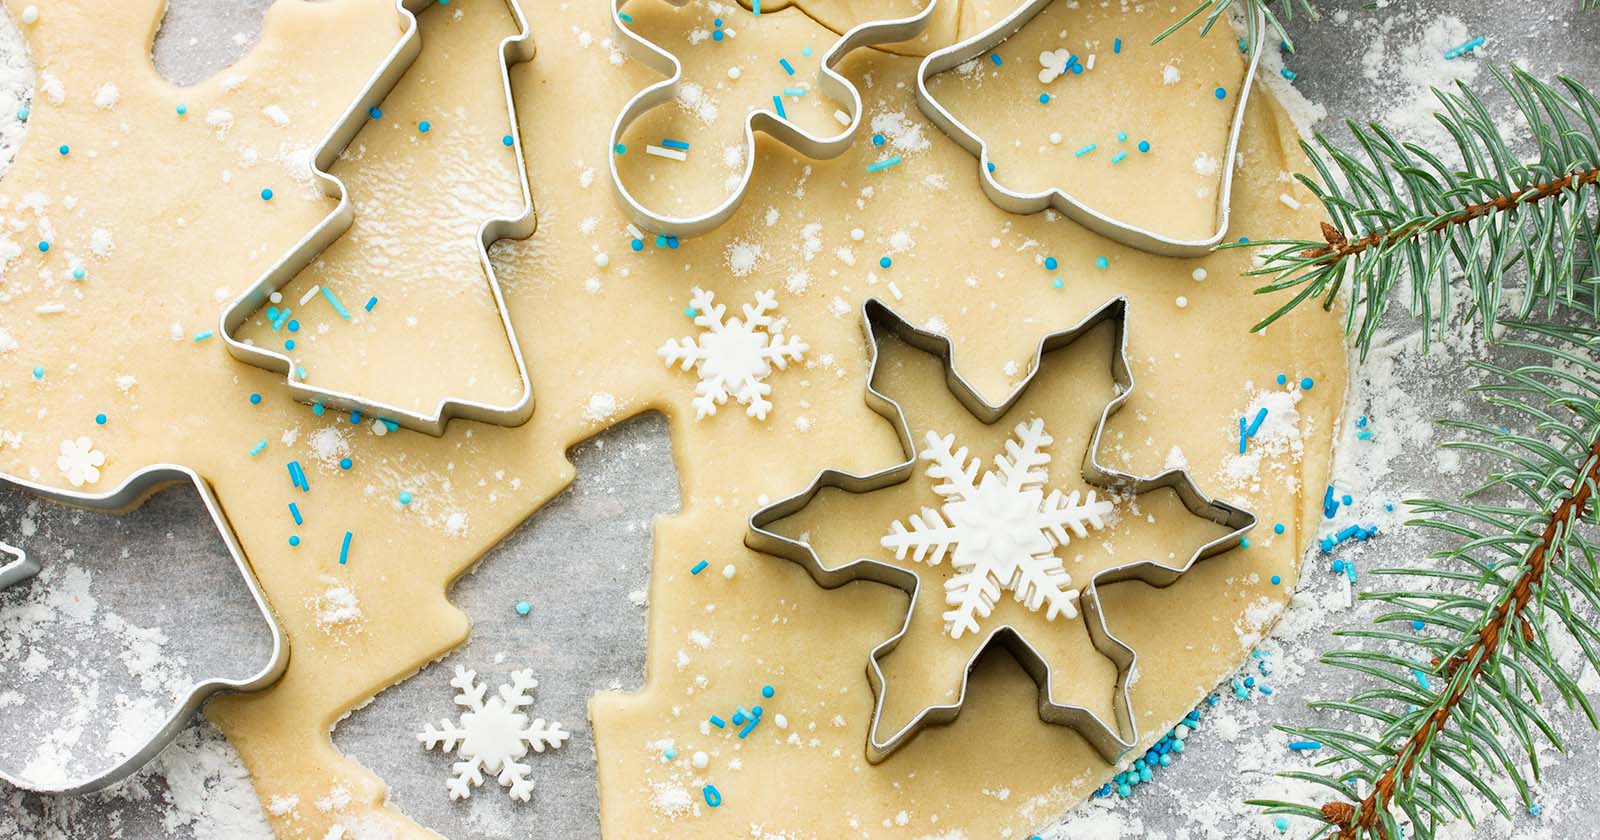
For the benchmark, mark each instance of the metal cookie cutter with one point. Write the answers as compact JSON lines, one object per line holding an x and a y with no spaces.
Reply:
{"x":130,"y":494}
{"x":765,"y":120}
{"x":514,"y":50}
{"x":1110,"y":741}
{"x":1027,"y":203}
{"x":15,"y":566}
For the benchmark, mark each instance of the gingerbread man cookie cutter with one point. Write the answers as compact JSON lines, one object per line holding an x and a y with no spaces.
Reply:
{"x":515,"y":49}
{"x":1111,"y":739}
{"x":1058,"y":198}
{"x":829,"y":81}
{"x":129,"y":495}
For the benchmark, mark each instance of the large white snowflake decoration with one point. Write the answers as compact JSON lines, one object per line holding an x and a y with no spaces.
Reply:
{"x":492,"y":735}
{"x":1001,"y":530}
{"x":734,"y":357}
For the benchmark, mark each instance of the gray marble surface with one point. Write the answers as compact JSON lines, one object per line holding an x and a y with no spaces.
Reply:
{"x":600,"y":527}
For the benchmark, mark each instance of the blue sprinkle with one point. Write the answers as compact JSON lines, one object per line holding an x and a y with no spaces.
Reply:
{"x":334,"y":301}
{"x":1144,"y":145}
{"x":670,"y":753}
{"x":699,"y":567}
{"x":371,"y":302}
{"x":1044,"y":99}
{"x":1418,"y":625}
{"x":405,"y":497}
{"x":1307,"y":383}
{"x":805,"y":51}
{"x":718,"y":722}
{"x":1276,"y":580}
{"x":712,"y":795}
{"x":255,"y":399}
{"x":1119,"y":157}
{"x":718,"y":35}
{"x":767,"y":691}
{"x":1283,"y":379}
{"x":346,"y":463}
{"x":202,"y":336}
{"x":424,"y":127}
{"x":266,"y":194}
{"x":1050,"y":263}
{"x":884,"y":164}
{"x":1085,"y":150}
{"x":507,"y":140}
{"x":294,"y":541}
{"x":877,"y":140}
{"x":620,"y":149}
{"x":64,"y":150}
{"x":675,"y":144}
{"x":777,"y":104}
{"x":44,"y":246}
{"x":885,"y":262}
{"x":1057,"y":283}
{"x":1116,"y":46}
{"x":637,"y":244}
{"x":78,"y":273}
{"x":22,"y":114}
{"x":1255,"y":425}
{"x":1305,"y":745}
{"x":258,"y":448}
{"x":182,"y":109}
{"x":995,"y":57}
{"x":1278,"y":528}
{"x":784,"y":62}
{"x":99,"y":419}
{"x":1102,"y":262}
{"x":294,"y":511}
{"x":523,"y":609}
{"x":1222,"y":93}
{"x":344,"y":549}
{"x":375,"y":112}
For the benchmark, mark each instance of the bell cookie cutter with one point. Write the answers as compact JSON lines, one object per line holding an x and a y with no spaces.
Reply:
{"x":1067,"y":204}
{"x":1111,"y":742}
{"x":829,"y":81}
{"x":129,"y":495}
{"x":514,"y":49}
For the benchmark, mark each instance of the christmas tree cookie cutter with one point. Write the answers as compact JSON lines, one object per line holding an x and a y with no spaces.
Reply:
{"x":1058,"y":198}
{"x":133,"y":491}
{"x":765,"y":120}
{"x":1112,"y":739}
{"x":515,"y":49}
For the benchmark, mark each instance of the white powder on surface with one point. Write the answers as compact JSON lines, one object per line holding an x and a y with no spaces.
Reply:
{"x":16,"y":89}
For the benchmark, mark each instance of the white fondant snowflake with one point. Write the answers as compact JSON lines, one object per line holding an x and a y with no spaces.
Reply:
{"x":734,"y":357}
{"x":1001,"y":531}
{"x":1053,"y":63}
{"x":492,"y":735}
{"x":80,"y":462}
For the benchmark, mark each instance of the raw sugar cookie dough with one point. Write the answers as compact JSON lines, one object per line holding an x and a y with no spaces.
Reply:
{"x":592,"y":309}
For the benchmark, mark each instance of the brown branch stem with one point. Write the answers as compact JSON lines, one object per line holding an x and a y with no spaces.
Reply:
{"x":1340,"y":247}
{"x":1505,"y":616}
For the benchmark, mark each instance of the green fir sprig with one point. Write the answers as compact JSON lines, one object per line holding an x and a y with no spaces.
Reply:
{"x":1439,"y":714}
{"x":1276,"y":12}
{"x":1403,"y":220}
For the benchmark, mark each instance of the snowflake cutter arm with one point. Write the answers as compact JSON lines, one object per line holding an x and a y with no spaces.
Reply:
{"x":1058,"y":516}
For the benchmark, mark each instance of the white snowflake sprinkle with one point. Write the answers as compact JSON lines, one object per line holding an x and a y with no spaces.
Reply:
{"x":1053,"y":63}
{"x":733,"y":357}
{"x":1002,"y":528}
{"x":492,"y":735}
{"x":80,"y":462}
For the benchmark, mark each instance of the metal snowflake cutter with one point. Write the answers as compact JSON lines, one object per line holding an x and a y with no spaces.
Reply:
{"x":1054,"y":517}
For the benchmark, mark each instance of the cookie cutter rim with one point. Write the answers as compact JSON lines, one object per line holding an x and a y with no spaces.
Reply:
{"x":1058,"y":198}
{"x":127,"y":496}
{"x":17,"y":569}
{"x":514,"y":49}
{"x":879,"y":317}
{"x":829,"y":81}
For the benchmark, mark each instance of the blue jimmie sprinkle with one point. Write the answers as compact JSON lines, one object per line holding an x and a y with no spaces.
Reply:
{"x":294,"y":511}
{"x":884,"y":164}
{"x":699,"y":567}
{"x":777,"y":104}
{"x":995,"y":58}
{"x":784,"y":63}
{"x":344,"y":549}
{"x":333,"y":300}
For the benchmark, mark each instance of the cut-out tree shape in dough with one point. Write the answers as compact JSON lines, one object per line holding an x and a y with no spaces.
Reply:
{"x":1097,"y":144}
{"x":817,"y":119}
{"x":1001,"y":531}
{"x":366,"y":313}
{"x":127,"y":753}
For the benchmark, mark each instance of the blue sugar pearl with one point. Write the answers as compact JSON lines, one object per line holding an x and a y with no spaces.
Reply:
{"x":183,"y":109}
{"x":1534,"y":809}
{"x":1278,"y":528}
{"x":717,"y":35}
{"x":690,"y":312}
{"x":1244,"y":542}
{"x":1282,"y":824}
{"x":288,"y":345}
{"x":670,"y":754}
{"x":405,"y":497}
{"x":717,"y":22}
{"x":346,"y":463}
{"x":43,"y":246}
{"x":1307,"y":383}
{"x":1144,"y":145}
{"x":1057,"y":283}
{"x":1338,"y":565}
{"x":806,"y":51}
{"x":99,"y":419}
{"x":78,"y":273}
{"x":294,"y":541}
{"x":318,"y":409}
{"x":661,"y":241}
{"x":885,"y":262}
{"x":1283,"y":379}
{"x":22,"y":114}
{"x":1122,"y":137}
{"x":65,"y":150}
{"x":1044,"y":99}
{"x":1276,"y":580}
{"x":1417,"y":625}
{"x":294,"y":326}
{"x":266,"y":195}
{"x":767,"y":691}
{"x":1050,"y":263}
{"x":255,"y":399}
{"x":375,"y":112}
{"x":523,"y":609}
{"x":424,"y":127}
{"x":620,"y":149}
{"x":1222,"y":93}
{"x":1102,"y":263}
{"x":1346,"y":500}
{"x":877,"y":140}
{"x":506,"y":140}
{"x":637,"y":244}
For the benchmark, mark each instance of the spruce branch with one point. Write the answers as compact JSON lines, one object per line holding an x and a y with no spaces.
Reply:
{"x":1400,"y":217}
{"x":1211,"y":11}
{"x":1450,"y":707}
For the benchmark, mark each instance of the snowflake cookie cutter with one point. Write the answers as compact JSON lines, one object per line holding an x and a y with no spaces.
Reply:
{"x":1057,"y":198}
{"x":829,"y":81}
{"x":130,"y":494}
{"x":1111,"y":740}
{"x":514,"y":49}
